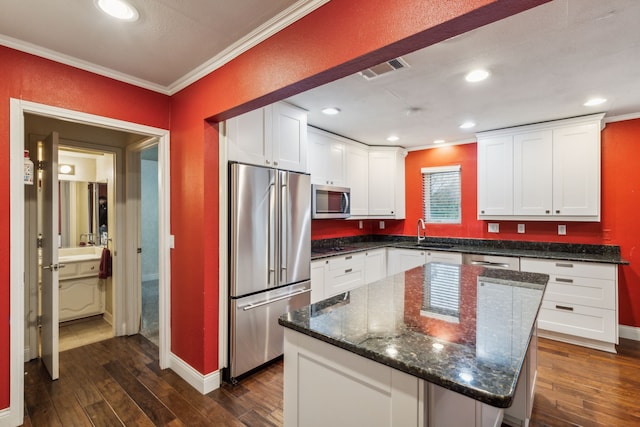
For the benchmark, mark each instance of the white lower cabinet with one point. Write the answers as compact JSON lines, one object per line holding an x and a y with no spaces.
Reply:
{"x":443,"y":256}
{"x":399,"y":260}
{"x":337,"y":274}
{"x":317,"y":279}
{"x":327,"y":386}
{"x":580,"y":304}
{"x":375,"y":265}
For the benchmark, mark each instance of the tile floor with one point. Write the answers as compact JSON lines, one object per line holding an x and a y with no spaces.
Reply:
{"x":78,"y":333}
{"x":149,"y":322}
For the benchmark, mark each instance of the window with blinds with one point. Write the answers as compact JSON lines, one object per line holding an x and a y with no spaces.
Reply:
{"x":441,"y":194}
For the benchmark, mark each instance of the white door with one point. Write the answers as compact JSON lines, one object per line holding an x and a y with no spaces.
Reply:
{"x":50,"y":255}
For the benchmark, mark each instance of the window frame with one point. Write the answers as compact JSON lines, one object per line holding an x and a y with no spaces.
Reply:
{"x":441,"y":169}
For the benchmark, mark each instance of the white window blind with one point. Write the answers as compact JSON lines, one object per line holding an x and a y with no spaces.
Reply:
{"x":441,"y":298}
{"x":441,"y":194}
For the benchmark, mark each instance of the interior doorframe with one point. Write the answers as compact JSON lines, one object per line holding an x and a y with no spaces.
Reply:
{"x":17,"y":110}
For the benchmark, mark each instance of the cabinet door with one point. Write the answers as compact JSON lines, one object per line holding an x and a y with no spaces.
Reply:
{"x":532,"y":174}
{"x":386,"y":184}
{"x":248,"y":139}
{"x":289,"y":137}
{"x":576,"y":170}
{"x":357,"y":177}
{"x":317,"y":280}
{"x":326,"y":159}
{"x":495,"y":176}
{"x":81,"y":297}
{"x":375,"y":266}
{"x":399,"y":260}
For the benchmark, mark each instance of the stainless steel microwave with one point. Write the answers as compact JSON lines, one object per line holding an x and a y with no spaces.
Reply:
{"x":329,"y":202}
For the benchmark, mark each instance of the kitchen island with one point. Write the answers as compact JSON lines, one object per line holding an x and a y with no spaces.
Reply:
{"x":438,"y":345}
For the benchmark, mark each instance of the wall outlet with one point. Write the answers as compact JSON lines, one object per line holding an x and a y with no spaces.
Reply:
{"x":562,"y":230}
{"x":360,"y":225}
{"x":521,"y":228}
{"x":381,"y":225}
{"x":494,"y":227}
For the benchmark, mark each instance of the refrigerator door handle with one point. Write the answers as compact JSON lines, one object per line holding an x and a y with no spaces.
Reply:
{"x":271,"y":232}
{"x":284,"y":220}
{"x":269,"y":301}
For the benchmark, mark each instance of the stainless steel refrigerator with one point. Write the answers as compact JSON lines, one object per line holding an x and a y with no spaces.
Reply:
{"x":269,"y":262}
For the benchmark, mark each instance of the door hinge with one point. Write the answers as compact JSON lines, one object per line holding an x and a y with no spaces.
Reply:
{"x":39,"y":241}
{"x":41,"y":164}
{"x":39,"y":321}
{"x":139,"y":250}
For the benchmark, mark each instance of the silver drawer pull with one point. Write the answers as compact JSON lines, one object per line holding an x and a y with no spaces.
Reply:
{"x":260,"y":304}
{"x":348,"y":257}
{"x":560,"y":279}
{"x":564,"y":264}
{"x":348,"y":270}
{"x":564,"y":307}
{"x":490,"y":264}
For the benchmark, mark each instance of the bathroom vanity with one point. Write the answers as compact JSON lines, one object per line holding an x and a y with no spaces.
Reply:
{"x":81,"y":292}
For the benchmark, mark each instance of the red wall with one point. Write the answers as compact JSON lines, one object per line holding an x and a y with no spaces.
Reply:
{"x":308,"y":53}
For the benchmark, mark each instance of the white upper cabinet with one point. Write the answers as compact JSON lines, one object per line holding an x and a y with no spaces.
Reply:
{"x":539,"y":172}
{"x":358,"y":178}
{"x":386,"y":182}
{"x":495,"y":175}
{"x":327,"y":154}
{"x":273,"y":136}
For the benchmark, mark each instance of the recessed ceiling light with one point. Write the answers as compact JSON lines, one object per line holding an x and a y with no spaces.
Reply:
{"x":392,"y":138}
{"x":476,"y":76}
{"x":331,"y":111}
{"x":118,"y":9}
{"x":594,"y":101}
{"x":439,"y":141}
{"x":467,"y":125}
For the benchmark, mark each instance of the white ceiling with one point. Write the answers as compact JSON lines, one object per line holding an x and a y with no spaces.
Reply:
{"x":544,"y":63}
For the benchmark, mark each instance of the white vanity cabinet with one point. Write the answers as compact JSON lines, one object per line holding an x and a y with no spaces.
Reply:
{"x":80,"y":292}
{"x":580,"y":304}
{"x":273,"y":136}
{"x":541,"y":172}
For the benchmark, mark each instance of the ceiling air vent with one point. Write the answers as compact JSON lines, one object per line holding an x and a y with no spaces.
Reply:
{"x":384,"y":68}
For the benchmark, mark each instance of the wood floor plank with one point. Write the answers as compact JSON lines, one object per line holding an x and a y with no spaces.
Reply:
{"x":124,"y":407}
{"x":70,"y":411}
{"x":101,"y":415}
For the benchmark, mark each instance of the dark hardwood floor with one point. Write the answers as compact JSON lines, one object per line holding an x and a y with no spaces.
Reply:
{"x":118,"y":382}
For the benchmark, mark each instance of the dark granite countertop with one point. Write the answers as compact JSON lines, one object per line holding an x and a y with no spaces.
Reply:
{"x":545,"y":250}
{"x":465,"y":328}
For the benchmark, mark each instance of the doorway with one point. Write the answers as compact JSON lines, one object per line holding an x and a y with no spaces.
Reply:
{"x":123,"y":324}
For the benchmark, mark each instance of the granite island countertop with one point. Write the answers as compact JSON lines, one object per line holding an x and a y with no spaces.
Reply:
{"x":465,"y":328}
{"x":609,"y":254}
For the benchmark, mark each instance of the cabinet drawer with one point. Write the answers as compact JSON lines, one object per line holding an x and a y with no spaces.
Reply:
{"x":341,"y":262}
{"x":569,"y":268}
{"x":79,"y":269}
{"x":343,"y":280}
{"x":582,"y":291}
{"x":587,"y":322}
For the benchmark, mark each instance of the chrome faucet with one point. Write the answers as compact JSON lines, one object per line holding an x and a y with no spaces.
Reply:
{"x":422,"y":226}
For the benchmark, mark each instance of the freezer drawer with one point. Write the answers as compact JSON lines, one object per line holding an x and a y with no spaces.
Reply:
{"x":256,"y":337}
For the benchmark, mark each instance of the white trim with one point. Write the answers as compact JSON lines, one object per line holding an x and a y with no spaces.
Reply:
{"x":445,"y":144}
{"x":16,"y":199}
{"x":622,"y":118}
{"x":203,"y":383}
{"x":6,"y":418}
{"x":629,"y":332}
{"x":223,"y":306}
{"x":285,"y":18}
{"x":438,"y":169}
{"x":14,"y":414}
{"x":108,"y":317}
{"x":551,"y":124}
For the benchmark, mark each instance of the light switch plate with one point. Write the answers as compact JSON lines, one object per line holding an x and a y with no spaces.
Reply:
{"x":521,"y":228}
{"x":494,"y":227}
{"x":360,"y":224}
{"x":562,"y":230}
{"x":381,"y":225}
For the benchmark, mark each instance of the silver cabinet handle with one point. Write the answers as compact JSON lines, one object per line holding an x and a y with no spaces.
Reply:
{"x":564,"y":264}
{"x":261,"y":303}
{"x":348,"y":257}
{"x":560,"y":279}
{"x":348,"y":270}
{"x":491,"y":264}
{"x":564,"y":307}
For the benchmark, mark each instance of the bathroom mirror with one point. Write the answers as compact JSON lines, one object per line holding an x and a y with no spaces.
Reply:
{"x":79,"y":203}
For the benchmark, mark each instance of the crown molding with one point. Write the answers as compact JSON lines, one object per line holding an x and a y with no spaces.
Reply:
{"x":290,"y":15}
{"x":285,"y":18}
{"x":444,"y":144}
{"x":622,"y":117}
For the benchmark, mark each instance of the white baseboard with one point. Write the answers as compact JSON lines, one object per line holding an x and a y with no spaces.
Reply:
{"x":7,"y":419}
{"x":203,"y":383}
{"x":108,"y":317}
{"x":629,"y":332}
{"x":151,"y":276}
